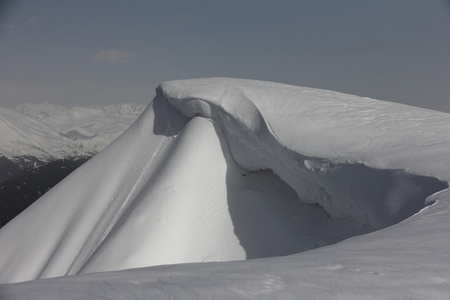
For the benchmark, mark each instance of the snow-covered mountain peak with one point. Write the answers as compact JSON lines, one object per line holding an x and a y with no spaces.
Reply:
{"x":41,"y":110}
{"x":46,"y":109}
{"x":124,"y":109}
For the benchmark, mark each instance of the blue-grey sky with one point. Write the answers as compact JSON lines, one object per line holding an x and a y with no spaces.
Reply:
{"x":109,"y":51}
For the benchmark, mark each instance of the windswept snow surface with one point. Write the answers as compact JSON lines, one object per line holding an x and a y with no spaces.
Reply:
{"x":228,"y":169}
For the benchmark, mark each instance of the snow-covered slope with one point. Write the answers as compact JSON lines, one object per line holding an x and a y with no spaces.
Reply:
{"x":46,"y":131}
{"x":227,"y":169}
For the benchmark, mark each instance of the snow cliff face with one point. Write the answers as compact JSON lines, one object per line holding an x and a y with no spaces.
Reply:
{"x":226,"y":169}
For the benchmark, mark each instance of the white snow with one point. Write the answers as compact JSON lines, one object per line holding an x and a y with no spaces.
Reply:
{"x":47,"y":131}
{"x":224,"y":169}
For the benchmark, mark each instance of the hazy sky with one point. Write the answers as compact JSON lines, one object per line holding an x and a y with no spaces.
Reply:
{"x":109,"y":51}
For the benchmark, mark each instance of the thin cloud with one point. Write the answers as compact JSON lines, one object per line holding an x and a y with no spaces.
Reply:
{"x":347,"y":50}
{"x":33,"y":21}
{"x":113,"y":55}
{"x":182,"y":17}
{"x":7,"y":26}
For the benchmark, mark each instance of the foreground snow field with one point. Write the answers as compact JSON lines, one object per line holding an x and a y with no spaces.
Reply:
{"x":217,"y":171}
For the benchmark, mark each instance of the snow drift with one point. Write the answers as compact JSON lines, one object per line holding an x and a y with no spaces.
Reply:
{"x":227,"y":169}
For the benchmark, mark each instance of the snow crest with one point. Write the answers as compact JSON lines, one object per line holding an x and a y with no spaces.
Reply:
{"x":349,"y":184}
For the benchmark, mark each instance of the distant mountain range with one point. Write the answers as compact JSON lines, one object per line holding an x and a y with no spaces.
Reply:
{"x":40,"y":144}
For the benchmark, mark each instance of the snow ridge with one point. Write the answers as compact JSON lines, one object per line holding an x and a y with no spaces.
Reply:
{"x":260,"y":139}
